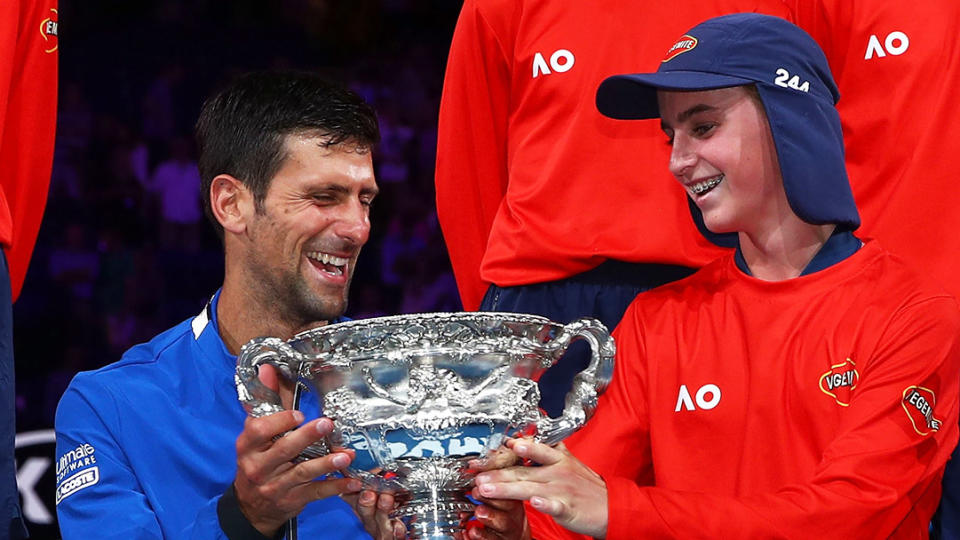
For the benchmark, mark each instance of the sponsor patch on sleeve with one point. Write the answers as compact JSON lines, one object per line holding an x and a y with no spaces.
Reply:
{"x":75,"y":483}
{"x":76,"y":469}
{"x":839,"y":381}
{"x":918,"y":402}
{"x":49,"y":30}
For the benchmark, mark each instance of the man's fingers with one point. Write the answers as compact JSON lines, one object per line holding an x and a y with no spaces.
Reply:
{"x":307,"y":471}
{"x":268,"y":376}
{"x":482,"y":533}
{"x":385,"y":502}
{"x":374,"y":511}
{"x":272,"y":462}
{"x":292,"y":443}
{"x":321,"y":489}
{"x":370,"y":502}
{"x":366,"y":505}
{"x":382,"y":517}
{"x":258,"y":433}
{"x":496,"y":518}
{"x":272,"y":379}
{"x":505,"y":520}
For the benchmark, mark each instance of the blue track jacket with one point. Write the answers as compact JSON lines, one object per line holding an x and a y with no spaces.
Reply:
{"x":146,"y":446}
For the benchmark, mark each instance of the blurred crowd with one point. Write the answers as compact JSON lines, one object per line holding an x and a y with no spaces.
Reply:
{"x":125,"y":250}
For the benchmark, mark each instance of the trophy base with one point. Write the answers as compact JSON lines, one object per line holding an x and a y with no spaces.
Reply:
{"x":435,"y":515}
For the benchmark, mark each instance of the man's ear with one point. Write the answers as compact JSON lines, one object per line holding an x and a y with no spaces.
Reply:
{"x":231,"y":203}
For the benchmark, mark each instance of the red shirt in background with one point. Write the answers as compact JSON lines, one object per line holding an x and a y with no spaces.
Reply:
{"x":28,"y":114}
{"x":897,"y":65}
{"x":533,"y":183}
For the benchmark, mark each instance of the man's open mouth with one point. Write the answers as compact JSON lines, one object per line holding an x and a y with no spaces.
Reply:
{"x":330,"y":264}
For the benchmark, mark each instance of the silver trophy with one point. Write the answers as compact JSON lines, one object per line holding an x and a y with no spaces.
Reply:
{"x":418,"y":396}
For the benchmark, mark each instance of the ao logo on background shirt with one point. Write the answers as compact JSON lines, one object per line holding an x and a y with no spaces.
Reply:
{"x":707,"y":397}
{"x":895,"y":44}
{"x":560,"y":61}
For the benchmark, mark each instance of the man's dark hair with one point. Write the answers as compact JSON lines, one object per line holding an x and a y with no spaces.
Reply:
{"x":242,"y":129}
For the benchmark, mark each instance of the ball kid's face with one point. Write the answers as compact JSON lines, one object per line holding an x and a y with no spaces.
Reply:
{"x":315,"y":219}
{"x":723,"y":154}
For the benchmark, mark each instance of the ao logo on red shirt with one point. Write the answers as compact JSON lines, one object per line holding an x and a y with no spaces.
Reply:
{"x":895,"y":44}
{"x":707,"y":397}
{"x":561,"y":61}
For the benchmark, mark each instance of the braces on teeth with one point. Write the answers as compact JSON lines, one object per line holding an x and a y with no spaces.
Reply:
{"x":700,"y":188}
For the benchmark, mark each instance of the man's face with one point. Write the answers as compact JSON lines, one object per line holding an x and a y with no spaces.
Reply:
{"x":304,"y":245}
{"x":722,"y":151}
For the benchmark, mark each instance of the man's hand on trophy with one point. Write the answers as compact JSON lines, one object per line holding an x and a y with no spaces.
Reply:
{"x":270,"y":488}
{"x":501,"y":518}
{"x":562,"y":486}
{"x":374,"y":511}
{"x":271,"y":378}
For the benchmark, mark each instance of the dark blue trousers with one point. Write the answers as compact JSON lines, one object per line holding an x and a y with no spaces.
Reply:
{"x":602,"y":293}
{"x":946,"y":522}
{"x":12,"y":523}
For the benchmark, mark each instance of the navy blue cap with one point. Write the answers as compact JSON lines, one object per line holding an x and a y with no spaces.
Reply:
{"x":797,"y":90}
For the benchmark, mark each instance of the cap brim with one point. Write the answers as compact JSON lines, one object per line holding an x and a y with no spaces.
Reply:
{"x":634,"y":96}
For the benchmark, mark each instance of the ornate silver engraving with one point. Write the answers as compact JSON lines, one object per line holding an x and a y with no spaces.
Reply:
{"x":417,"y":396}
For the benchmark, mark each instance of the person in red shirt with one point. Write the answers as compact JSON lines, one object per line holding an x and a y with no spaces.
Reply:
{"x":884,"y":56}
{"x":805,"y":385}
{"x":28,"y":112}
{"x":547,"y":206}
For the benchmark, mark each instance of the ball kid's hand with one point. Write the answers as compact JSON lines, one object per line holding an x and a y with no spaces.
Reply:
{"x":374,"y":511}
{"x":562,"y":487}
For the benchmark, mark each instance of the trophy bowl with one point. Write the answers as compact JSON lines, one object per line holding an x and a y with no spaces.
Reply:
{"x":416,"y":397}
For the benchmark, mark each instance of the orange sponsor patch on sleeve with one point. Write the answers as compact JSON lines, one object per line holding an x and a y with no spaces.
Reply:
{"x":839,"y":381}
{"x":918,"y":402}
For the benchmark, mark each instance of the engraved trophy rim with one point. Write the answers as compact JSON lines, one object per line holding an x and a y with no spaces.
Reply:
{"x":448,"y":316}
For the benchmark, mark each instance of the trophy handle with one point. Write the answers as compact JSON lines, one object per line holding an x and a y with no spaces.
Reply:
{"x":581,"y":401}
{"x":259,"y":400}
{"x":255,"y":396}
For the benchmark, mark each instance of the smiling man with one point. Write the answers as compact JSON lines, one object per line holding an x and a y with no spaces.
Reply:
{"x":157,"y":445}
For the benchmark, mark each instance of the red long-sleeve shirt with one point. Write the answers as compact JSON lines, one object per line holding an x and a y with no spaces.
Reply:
{"x":897,"y":65}
{"x":533,"y":183}
{"x":28,"y":113}
{"x":741,"y":408}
